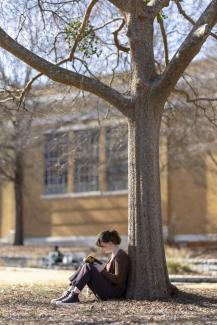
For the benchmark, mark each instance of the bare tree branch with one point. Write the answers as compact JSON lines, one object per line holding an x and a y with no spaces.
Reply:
{"x":65,"y":76}
{"x":202,"y":99}
{"x":71,"y":55}
{"x":189,"y":48}
{"x":212,"y":157}
{"x":193,"y":100}
{"x":164,"y":36}
{"x":6,"y":174}
{"x":118,"y":45}
{"x":187,"y":17}
{"x":29,"y":84}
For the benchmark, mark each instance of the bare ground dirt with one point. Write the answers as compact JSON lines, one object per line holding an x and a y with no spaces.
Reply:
{"x":30,"y":304}
{"x":26,"y":294}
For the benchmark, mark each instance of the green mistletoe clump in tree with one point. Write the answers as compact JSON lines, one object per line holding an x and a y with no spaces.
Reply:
{"x":88,"y":40}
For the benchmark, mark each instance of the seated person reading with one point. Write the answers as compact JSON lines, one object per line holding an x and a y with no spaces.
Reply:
{"x":106,"y":281}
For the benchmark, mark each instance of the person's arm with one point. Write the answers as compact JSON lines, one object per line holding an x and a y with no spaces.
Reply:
{"x":121,"y":263}
{"x":99,"y":267}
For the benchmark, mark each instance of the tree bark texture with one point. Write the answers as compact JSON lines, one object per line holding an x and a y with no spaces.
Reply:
{"x":18,"y":185}
{"x":149,"y":277}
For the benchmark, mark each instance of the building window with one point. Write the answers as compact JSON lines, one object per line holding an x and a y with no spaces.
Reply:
{"x":86,"y":162}
{"x":55,"y":171}
{"x":116,"y":171}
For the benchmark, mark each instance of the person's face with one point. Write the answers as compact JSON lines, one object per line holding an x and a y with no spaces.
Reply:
{"x":106,"y":247}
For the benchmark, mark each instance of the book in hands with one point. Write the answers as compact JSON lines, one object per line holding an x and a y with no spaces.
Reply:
{"x":92,"y":259}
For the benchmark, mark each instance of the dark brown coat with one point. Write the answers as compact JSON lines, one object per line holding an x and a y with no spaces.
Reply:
{"x":119,"y":270}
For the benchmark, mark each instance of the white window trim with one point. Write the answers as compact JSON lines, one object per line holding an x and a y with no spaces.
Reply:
{"x":83,"y":194}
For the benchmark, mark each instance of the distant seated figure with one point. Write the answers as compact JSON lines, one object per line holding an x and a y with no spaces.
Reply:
{"x":106,"y":281}
{"x":55,"y":257}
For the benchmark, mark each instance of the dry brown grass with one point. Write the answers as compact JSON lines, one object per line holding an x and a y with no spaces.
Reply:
{"x":31,"y":305}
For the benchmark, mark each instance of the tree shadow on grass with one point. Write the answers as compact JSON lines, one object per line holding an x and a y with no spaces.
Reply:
{"x":197,"y":299}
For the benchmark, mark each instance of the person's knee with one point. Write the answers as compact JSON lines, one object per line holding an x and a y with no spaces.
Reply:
{"x":90,"y":267}
{"x":87,"y":266}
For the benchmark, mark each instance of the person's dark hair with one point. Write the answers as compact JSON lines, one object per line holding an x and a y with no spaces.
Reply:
{"x":108,"y":236}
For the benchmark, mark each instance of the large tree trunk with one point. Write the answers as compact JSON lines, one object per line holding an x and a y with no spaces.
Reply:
{"x":18,"y":185}
{"x":149,"y":276}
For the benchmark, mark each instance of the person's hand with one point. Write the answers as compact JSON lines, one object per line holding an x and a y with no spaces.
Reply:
{"x":91,"y":259}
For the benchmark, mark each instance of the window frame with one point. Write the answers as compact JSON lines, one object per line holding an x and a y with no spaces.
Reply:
{"x":102,"y":186}
{"x":51,"y":188}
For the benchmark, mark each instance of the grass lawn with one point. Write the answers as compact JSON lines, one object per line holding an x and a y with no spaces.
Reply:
{"x":25,"y":296}
{"x":30,"y":304}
